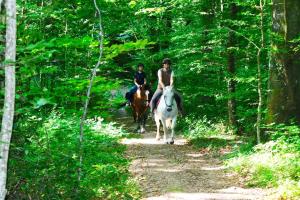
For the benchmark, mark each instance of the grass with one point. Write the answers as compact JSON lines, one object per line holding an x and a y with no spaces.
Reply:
{"x":270,"y":166}
{"x":46,"y":160}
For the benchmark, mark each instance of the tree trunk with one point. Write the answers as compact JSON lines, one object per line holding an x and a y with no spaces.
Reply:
{"x":259,"y":76}
{"x":1,"y":2}
{"x":231,"y":71}
{"x":89,"y":89}
{"x":284,"y":82}
{"x":9,"y":100}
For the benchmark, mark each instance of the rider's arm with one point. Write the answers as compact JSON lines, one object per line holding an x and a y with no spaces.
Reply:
{"x":135,"y":82}
{"x":160,"y":79}
{"x":145,"y":80}
{"x":172,"y":79}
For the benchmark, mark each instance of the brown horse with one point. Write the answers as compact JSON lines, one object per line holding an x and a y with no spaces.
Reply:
{"x":140,"y":106}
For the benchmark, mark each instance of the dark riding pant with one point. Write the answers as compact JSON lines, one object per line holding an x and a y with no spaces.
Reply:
{"x":158,"y":93}
{"x":132,"y":91}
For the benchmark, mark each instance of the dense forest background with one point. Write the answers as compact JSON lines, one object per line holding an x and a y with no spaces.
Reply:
{"x":236,"y":67}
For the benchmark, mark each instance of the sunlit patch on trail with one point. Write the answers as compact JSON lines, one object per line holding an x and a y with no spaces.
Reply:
{"x":194,"y":155}
{"x":238,"y":194}
{"x":153,"y":141}
{"x":168,"y":170}
{"x":213,"y":168}
{"x":196,"y":160}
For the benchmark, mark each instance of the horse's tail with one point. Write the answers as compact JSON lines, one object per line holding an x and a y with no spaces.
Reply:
{"x":169,"y":123}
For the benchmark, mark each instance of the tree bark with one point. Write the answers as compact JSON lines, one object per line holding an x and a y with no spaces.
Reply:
{"x":231,"y":71}
{"x":89,"y":89}
{"x":284,"y":82}
{"x":1,"y":2}
{"x":259,"y":76}
{"x":9,"y":100}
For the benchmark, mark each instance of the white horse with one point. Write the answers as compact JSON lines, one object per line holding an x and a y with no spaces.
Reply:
{"x":166,"y":113}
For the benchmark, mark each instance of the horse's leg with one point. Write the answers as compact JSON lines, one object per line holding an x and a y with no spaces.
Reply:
{"x":142,"y":125}
{"x":165,"y":130}
{"x":157,"y":127}
{"x":134,"y":116}
{"x":145,"y":120}
{"x":138,"y":123}
{"x":173,"y":130}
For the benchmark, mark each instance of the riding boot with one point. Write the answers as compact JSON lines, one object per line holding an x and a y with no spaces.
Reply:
{"x":180,"y":110}
{"x":151,"y":112}
{"x":123,"y":104}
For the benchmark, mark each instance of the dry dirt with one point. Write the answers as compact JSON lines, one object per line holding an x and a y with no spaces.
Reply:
{"x":181,"y":172}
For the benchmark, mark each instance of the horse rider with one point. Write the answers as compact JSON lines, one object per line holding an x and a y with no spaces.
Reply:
{"x":139,"y":80}
{"x":165,"y":78}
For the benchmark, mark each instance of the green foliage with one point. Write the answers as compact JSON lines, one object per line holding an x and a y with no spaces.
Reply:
{"x":203,"y":127}
{"x":58,"y":46}
{"x":203,"y":133}
{"x":273,"y":164}
{"x":45,"y":164}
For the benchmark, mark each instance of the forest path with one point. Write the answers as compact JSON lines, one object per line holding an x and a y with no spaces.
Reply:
{"x":179,"y":171}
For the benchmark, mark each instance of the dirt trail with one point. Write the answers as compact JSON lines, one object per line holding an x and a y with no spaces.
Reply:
{"x":179,"y":171}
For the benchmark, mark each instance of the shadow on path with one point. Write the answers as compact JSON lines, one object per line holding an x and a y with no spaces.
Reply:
{"x":179,"y":171}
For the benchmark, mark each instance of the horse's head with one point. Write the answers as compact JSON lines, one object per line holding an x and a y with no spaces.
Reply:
{"x":141,"y":95}
{"x":141,"y":91}
{"x":168,"y":95}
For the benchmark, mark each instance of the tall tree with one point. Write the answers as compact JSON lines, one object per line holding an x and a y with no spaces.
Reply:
{"x":284,"y":98}
{"x":89,"y":89}
{"x":9,"y":100}
{"x":231,"y":71}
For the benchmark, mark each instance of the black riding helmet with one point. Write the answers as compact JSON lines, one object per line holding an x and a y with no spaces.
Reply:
{"x":141,"y":65}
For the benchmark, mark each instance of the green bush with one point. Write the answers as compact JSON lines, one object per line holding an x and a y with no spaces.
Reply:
{"x":273,"y":164}
{"x":202,"y":127}
{"x":204,"y":133}
{"x":44,"y":165}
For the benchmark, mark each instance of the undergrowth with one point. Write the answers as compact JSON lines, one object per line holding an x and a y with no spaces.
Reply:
{"x":204,"y":133}
{"x":274,"y":164}
{"x":44,"y":160}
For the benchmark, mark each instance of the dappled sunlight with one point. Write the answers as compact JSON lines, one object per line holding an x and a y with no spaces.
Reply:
{"x":194,"y":155}
{"x":212,"y":168}
{"x":153,"y":141}
{"x":203,"y":196}
{"x":170,"y":170}
{"x":196,"y":160}
{"x":179,"y":172}
{"x":152,"y":165}
{"x":239,"y":190}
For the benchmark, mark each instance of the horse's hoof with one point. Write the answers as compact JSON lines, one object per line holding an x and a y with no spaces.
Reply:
{"x":166,"y":142}
{"x":172,"y":142}
{"x":157,"y":138}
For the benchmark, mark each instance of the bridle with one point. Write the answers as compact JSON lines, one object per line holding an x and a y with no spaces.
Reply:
{"x":142,"y":88}
{"x":169,"y":106}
